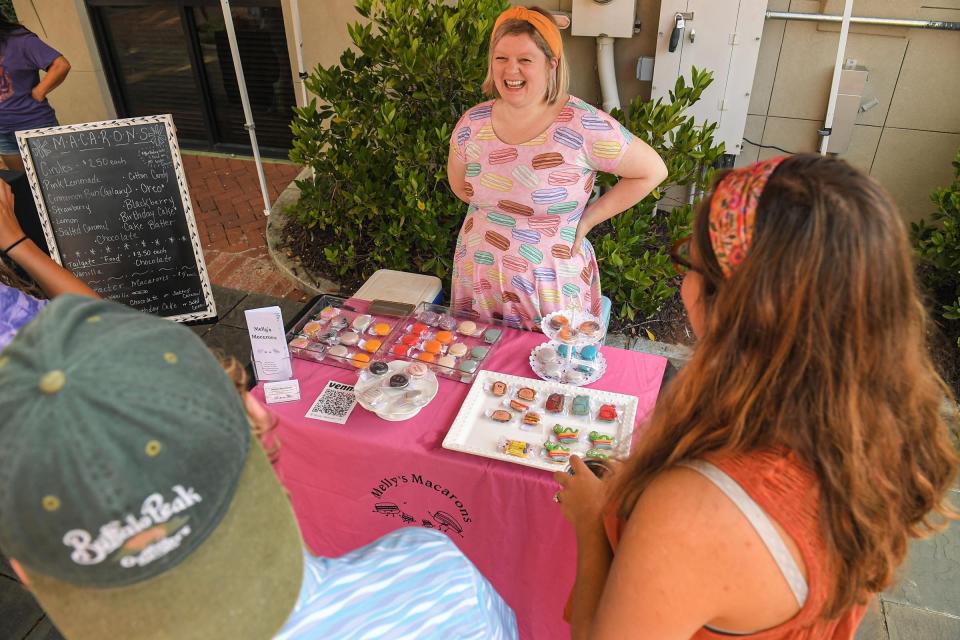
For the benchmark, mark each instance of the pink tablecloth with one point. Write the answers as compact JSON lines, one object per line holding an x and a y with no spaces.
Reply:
{"x":350,"y":484}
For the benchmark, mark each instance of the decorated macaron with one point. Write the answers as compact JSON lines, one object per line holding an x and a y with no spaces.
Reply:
{"x":360,"y":360}
{"x":338,"y":351}
{"x":467,"y":327}
{"x":378,"y":368}
{"x":361,"y":322}
{"x":559,"y":322}
{"x":588,"y":352}
{"x":447,"y":322}
{"x":548,"y":355}
{"x":457,"y":350}
{"x":416,"y":370}
{"x":312,"y":328}
{"x":418,"y":328}
{"x":589,"y":328}
{"x":399,"y":381}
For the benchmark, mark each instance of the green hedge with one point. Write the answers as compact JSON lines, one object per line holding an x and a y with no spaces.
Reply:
{"x":938,"y":252}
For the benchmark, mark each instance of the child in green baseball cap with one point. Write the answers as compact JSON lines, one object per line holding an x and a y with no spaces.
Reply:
{"x":135,"y":503}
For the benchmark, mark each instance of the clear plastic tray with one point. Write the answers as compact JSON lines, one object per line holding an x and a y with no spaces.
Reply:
{"x":318,"y":339}
{"x":454,"y":344}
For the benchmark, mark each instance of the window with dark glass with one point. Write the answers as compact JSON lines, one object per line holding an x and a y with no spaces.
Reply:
{"x":173,"y":56}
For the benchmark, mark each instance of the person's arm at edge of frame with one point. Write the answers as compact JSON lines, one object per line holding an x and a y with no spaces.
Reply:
{"x":640,"y":171}
{"x":51,"y":277}
{"x":583,"y":500}
{"x":55,"y":74}
{"x":457,"y":174}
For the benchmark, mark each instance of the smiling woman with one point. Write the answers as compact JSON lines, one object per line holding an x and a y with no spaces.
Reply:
{"x":525,"y":162}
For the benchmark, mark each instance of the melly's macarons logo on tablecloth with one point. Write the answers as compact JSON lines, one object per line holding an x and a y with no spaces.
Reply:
{"x":418,"y":500}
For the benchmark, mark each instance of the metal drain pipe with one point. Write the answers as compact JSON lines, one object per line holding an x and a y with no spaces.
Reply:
{"x":883,"y":22}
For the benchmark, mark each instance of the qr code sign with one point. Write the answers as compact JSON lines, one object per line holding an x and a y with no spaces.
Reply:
{"x":334,"y":404}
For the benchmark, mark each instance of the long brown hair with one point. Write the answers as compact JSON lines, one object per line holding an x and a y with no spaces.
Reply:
{"x":816,"y":344}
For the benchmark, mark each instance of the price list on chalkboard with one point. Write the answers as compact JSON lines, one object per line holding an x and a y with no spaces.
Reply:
{"x":112,"y":197}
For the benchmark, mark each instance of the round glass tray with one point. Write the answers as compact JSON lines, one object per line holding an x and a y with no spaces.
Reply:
{"x":597,"y":367}
{"x":428,"y":385}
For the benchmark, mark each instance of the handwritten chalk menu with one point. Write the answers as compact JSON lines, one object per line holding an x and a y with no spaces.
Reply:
{"x":113,"y":201}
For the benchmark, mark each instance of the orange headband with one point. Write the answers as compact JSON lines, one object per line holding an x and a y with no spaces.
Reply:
{"x":733,"y":209}
{"x":544,"y":26}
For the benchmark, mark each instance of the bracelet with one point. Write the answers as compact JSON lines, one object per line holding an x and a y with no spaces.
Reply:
{"x":10,"y":248}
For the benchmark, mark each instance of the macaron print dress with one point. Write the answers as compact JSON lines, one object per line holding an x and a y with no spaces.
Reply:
{"x":512,"y":260}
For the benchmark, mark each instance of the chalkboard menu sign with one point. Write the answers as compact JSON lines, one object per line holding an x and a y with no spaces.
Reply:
{"x":113,"y":201}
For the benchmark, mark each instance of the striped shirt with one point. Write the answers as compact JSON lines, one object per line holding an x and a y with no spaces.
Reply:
{"x":411,"y":583}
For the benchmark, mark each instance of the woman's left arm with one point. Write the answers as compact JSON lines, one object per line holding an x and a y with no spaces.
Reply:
{"x":56,"y":73}
{"x":641,"y":169}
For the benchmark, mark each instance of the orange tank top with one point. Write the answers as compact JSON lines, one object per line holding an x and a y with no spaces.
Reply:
{"x":788,"y":492}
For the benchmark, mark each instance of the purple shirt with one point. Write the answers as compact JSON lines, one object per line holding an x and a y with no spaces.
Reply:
{"x":21,"y":58}
{"x":16,"y":309}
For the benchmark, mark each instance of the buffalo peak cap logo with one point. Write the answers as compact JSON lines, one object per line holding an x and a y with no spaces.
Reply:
{"x":140,"y":539}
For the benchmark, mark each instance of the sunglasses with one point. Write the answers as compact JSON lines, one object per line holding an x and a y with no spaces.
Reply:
{"x":680,"y":256}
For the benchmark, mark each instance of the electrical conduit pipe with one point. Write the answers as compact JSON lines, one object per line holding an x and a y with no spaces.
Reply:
{"x":608,"y":74}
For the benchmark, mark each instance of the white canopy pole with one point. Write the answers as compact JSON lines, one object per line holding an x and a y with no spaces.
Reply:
{"x":298,"y":41}
{"x":245,"y":100}
{"x":837,"y":70}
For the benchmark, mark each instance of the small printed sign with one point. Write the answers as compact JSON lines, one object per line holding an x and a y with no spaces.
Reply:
{"x":268,"y":344}
{"x":334,"y":404}
{"x":281,"y":391}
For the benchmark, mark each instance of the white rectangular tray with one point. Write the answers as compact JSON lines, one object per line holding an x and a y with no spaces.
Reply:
{"x":473,"y":432}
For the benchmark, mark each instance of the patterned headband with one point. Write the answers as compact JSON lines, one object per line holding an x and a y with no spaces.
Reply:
{"x":733,"y":208}
{"x":544,"y":26}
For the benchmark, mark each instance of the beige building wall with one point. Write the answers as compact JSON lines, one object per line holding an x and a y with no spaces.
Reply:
{"x":65,"y":26}
{"x":907,"y":141}
{"x":910,"y":138}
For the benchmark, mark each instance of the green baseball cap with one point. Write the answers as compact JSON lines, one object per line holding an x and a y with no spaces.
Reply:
{"x":131,"y":490}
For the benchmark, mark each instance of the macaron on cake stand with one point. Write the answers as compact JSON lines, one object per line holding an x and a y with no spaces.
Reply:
{"x":572,"y":353}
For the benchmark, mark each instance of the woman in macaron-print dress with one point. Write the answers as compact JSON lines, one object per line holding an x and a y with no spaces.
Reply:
{"x":526,"y":166}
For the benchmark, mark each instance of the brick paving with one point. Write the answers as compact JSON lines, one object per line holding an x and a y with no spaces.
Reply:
{"x":228,"y":208}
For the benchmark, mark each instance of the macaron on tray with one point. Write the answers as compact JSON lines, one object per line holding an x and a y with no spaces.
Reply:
{"x":453,"y":345}
{"x":540,"y":424}
{"x":334,"y":334}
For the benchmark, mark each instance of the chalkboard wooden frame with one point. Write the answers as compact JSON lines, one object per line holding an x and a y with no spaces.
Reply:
{"x":210,"y":309}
